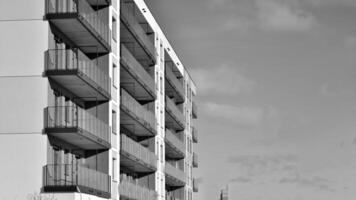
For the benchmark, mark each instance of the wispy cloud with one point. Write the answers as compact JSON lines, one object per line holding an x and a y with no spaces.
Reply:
{"x":222,"y":80}
{"x":240,"y":179}
{"x":283,"y":16}
{"x":266,"y":15}
{"x":241,"y":115}
{"x":275,"y":169}
{"x":314,"y":182}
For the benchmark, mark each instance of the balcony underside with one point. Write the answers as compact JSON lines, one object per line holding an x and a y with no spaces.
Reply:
{"x":134,"y":85}
{"x":78,"y":85}
{"x":99,"y":3}
{"x":134,"y":124}
{"x":173,"y":183}
{"x":76,"y":139}
{"x":73,"y":28}
{"x":172,"y":122}
{"x":133,"y":164}
{"x":133,"y":41}
{"x":172,"y":92}
{"x":75,"y":188}
{"x":173,"y":152}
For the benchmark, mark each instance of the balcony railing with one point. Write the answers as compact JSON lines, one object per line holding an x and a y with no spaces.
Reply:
{"x":194,"y":134}
{"x":175,"y":113}
{"x":64,"y":62}
{"x":58,"y":120}
{"x":194,"y":110}
{"x":138,"y":112}
{"x":175,"y":174}
{"x":131,"y":190}
{"x":138,"y":153}
{"x":176,"y":85}
{"x":129,"y":19}
{"x":171,"y":197}
{"x":137,"y":71}
{"x":176,"y":144}
{"x":195,"y":160}
{"x":75,"y":178}
{"x":195,"y":185}
{"x":80,"y":9}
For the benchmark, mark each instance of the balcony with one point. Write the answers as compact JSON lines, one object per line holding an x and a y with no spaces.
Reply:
{"x":134,"y":78}
{"x":174,"y":88}
{"x":77,"y":75}
{"x":77,"y":23}
{"x":174,"y":177}
{"x":194,"y":110}
{"x":174,"y":117}
{"x":195,"y":160}
{"x":175,"y":148}
{"x":194,"y":134}
{"x":132,"y":191}
{"x":132,"y":32}
{"x":195,"y":185}
{"x":73,"y":178}
{"x":136,"y":157}
{"x":76,"y":129}
{"x":135,"y":118}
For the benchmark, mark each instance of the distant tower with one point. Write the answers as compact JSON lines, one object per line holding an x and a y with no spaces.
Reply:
{"x":224,"y":193}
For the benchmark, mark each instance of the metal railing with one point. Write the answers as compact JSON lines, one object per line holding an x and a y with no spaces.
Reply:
{"x":63,"y":175}
{"x":174,"y":172}
{"x":137,"y":109}
{"x":175,"y":141}
{"x":85,"y":12}
{"x":67,"y":59}
{"x":136,"y":68}
{"x":171,"y":197}
{"x":139,"y":32}
{"x":174,"y":82}
{"x":175,"y":112}
{"x":138,"y":151}
{"x":75,"y":117}
{"x":195,"y":159}
{"x":129,"y":188}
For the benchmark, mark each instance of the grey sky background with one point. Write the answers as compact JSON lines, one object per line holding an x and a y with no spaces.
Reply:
{"x":277,"y":89}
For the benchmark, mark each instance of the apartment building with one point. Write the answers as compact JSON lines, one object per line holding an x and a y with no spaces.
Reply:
{"x":120,"y":116}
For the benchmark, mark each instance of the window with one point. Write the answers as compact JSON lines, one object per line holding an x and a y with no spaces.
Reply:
{"x":114,"y":175}
{"x":161,"y":84}
{"x":161,"y":149}
{"x":114,"y":29}
{"x":114,"y":75}
{"x":114,"y":119}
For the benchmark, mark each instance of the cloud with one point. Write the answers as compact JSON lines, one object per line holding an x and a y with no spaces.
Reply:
{"x":240,"y":179}
{"x":257,"y":166}
{"x":335,"y":90}
{"x":266,"y":15}
{"x":315,"y":182}
{"x":332,"y":2}
{"x":350,"y":41}
{"x":275,"y":169}
{"x":242,"y":115}
{"x":283,"y":16}
{"x":222,"y":80}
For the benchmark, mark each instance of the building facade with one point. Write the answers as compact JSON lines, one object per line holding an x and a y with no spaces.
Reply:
{"x":120,"y":115}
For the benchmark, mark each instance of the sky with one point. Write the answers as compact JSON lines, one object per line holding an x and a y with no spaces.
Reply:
{"x":276,"y":94}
